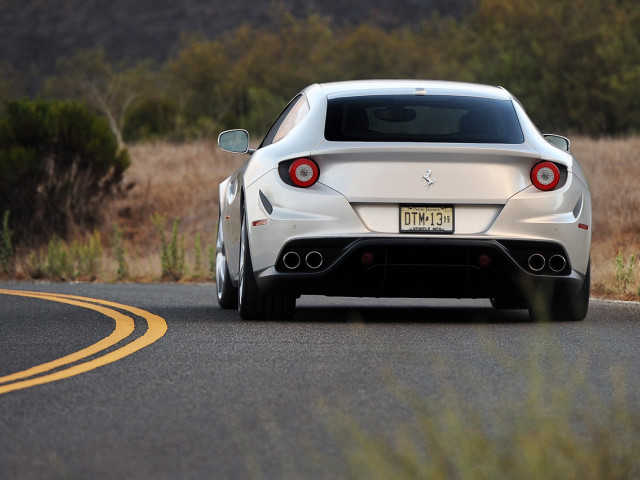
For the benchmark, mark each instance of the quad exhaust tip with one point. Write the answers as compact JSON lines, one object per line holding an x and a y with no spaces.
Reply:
{"x":314,"y":260}
{"x":557,"y":263}
{"x":291,"y":260}
{"x":537,"y":262}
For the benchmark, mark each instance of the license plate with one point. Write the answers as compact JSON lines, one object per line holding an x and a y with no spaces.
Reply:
{"x":426,"y":219}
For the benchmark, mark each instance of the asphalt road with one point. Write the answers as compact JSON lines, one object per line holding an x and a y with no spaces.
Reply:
{"x":217,"y":397}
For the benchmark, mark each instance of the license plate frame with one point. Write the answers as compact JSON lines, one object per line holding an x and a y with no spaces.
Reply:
{"x":427,"y":219}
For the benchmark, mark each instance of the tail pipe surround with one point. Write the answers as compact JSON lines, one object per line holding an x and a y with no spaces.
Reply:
{"x":557,"y":263}
{"x":314,"y":260}
{"x":291,"y":260}
{"x":537,"y":262}
{"x":302,"y":261}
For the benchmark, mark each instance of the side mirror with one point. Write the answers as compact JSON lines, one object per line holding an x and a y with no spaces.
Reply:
{"x":557,"y":141}
{"x":234,"y":141}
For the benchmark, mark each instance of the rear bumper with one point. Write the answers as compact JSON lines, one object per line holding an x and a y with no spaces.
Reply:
{"x":419,"y":268}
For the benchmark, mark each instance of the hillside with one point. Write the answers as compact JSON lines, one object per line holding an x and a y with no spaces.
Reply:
{"x":38,"y":32}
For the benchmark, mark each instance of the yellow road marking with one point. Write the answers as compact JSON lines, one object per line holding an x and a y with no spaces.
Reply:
{"x":124,"y":327}
{"x":156,"y":328}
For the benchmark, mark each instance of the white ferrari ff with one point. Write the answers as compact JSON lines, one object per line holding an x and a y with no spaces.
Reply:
{"x":404,"y":188}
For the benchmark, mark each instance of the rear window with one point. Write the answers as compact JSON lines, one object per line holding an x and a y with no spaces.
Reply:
{"x":410,"y":118}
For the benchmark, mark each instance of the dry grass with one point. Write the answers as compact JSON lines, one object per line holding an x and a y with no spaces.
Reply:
{"x":181,"y":181}
{"x":176,"y":180}
{"x":612,"y":167}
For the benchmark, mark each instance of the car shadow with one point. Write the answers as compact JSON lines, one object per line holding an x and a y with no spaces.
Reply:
{"x":429,"y":314}
{"x":439,"y":315}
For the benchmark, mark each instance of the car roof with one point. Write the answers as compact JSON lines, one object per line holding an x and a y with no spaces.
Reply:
{"x":412,"y":87}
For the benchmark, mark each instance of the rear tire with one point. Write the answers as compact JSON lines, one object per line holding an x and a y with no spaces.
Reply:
{"x":253,"y":304}
{"x":227,"y":294}
{"x":576,"y":306}
{"x":561,"y":305}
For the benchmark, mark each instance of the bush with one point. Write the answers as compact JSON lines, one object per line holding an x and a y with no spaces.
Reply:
{"x":81,"y":260}
{"x":150,"y":118}
{"x":624,"y":272}
{"x":59,"y":163}
{"x":172,"y":252}
{"x":6,"y":246}
{"x":118,"y":249}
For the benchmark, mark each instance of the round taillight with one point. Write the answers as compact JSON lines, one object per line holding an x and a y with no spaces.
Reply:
{"x":545,"y":176}
{"x":304,"y":172}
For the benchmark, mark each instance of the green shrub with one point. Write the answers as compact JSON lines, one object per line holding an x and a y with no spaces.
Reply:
{"x":172,"y":252}
{"x":6,"y":246}
{"x":197,"y":263}
{"x":118,"y":249}
{"x":59,"y":163}
{"x":36,"y":264}
{"x":59,"y":263}
{"x":81,"y":260}
{"x":624,"y":272}
{"x":87,"y":257}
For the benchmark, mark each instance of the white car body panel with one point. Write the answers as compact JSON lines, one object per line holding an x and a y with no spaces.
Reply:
{"x":362,"y":185}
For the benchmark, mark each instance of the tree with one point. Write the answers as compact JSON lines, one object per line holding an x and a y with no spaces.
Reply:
{"x":198,"y":80}
{"x":571,"y":63}
{"x":88,"y":77}
{"x":59,"y":164}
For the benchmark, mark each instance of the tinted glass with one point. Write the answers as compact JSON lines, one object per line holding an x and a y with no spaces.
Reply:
{"x":289,"y":118}
{"x":410,"y":118}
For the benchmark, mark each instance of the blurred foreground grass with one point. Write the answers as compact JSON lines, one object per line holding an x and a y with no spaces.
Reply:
{"x":558,"y":430}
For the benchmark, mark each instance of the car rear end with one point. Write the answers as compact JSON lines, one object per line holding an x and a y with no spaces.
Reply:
{"x":424,"y":191}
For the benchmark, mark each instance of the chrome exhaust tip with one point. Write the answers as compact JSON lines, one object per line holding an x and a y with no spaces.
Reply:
{"x":291,"y":260}
{"x":557,"y":263}
{"x":314,"y":260}
{"x":536,"y":262}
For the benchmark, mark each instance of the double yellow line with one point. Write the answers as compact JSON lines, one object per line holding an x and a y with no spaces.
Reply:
{"x":156,"y":328}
